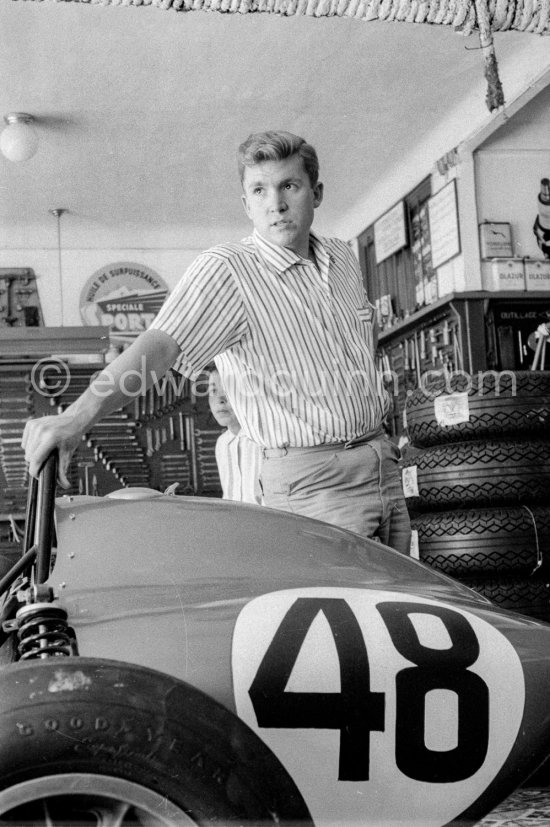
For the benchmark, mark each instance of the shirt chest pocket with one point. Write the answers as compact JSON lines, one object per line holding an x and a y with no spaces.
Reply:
{"x":365,"y":315}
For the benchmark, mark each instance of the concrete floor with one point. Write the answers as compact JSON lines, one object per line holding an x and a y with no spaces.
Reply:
{"x":524,"y":808}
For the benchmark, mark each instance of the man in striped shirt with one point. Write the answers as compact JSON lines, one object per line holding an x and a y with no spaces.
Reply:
{"x":287,"y":318}
{"x":237,"y":457}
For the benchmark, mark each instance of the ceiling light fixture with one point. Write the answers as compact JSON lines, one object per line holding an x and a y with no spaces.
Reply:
{"x":18,"y":141}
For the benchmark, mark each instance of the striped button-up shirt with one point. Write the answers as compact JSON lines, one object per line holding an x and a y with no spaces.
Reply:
{"x":239,"y":464}
{"x":292,"y":340}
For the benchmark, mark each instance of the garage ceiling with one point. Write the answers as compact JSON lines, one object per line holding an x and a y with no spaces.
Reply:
{"x":140,"y":109}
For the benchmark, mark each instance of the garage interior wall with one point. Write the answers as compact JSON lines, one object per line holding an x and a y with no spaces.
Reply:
{"x":86,"y":246}
{"x":509,"y":167}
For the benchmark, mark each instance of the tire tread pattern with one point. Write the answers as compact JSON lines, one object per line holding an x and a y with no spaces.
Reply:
{"x":480,"y":472}
{"x":501,"y":539}
{"x":500,"y":405}
{"x":529,"y":596}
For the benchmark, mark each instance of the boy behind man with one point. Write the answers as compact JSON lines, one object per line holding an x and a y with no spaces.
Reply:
{"x":237,"y":457}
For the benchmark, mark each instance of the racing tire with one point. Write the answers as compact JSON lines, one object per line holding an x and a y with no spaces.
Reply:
{"x":80,"y":736}
{"x":478,"y":541}
{"x":479,"y":472}
{"x":528,"y":596}
{"x":498,"y":405}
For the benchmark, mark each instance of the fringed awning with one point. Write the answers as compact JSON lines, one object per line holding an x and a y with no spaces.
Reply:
{"x":465,"y":16}
{"x":501,"y":15}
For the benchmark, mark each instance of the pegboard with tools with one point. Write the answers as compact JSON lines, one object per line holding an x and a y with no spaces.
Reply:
{"x":163,"y":438}
{"x":514,"y":342}
{"x":448,"y":336}
{"x":19,"y":302}
{"x":21,"y":357}
{"x":17,"y":404}
{"x":464,"y":332}
{"x":406,"y":360}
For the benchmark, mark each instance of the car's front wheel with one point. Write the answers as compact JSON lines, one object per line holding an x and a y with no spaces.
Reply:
{"x":69,"y":799}
{"x":97,"y":742}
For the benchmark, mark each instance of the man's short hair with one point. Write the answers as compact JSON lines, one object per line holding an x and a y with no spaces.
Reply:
{"x":276,"y":146}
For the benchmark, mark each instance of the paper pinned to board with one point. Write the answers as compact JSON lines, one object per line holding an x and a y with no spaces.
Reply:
{"x":452,"y":409}
{"x":410,"y":481}
{"x":414,"y":550}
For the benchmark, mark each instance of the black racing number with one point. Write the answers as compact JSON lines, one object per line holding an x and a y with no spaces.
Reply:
{"x":437,"y":669}
{"x":355,"y":710}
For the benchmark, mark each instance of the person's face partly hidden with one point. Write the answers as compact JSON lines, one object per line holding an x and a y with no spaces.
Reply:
{"x":219,"y":405}
{"x":280,"y":201}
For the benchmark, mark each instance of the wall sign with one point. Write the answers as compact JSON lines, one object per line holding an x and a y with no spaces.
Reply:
{"x":443,"y":218}
{"x":495,"y":238}
{"x":123,"y":296}
{"x":390,"y":232}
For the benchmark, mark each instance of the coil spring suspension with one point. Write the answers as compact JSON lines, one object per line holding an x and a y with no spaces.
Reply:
{"x":43,"y":632}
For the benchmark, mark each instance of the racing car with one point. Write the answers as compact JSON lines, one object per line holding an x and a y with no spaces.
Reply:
{"x":170,"y":660}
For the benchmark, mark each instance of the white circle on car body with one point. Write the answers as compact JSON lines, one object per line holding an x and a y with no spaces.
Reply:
{"x":384,"y":707}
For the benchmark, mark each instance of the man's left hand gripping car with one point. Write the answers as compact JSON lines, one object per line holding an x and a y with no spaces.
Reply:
{"x":182,"y":661}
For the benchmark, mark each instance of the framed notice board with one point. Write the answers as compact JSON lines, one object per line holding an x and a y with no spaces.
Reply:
{"x":444,"y":231}
{"x":390,"y":232}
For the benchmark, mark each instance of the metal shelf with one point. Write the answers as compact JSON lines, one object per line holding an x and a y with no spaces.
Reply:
{"x":20,"y":343}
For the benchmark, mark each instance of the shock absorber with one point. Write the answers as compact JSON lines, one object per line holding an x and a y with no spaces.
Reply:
{"x":43,"y":632}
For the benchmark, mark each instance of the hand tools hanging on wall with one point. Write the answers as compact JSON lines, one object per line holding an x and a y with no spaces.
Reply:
{"x":19,"y":303}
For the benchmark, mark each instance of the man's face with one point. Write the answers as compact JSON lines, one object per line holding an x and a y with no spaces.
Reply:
{"x":280,"y":201}
{"x":219,"y":405}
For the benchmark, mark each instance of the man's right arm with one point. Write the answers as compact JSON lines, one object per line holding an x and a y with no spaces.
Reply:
{"x":131,"y":373}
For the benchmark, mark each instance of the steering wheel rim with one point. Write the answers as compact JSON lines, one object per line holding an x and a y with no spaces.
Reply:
{"x":44,"y":510}
{"x":39,"y":533}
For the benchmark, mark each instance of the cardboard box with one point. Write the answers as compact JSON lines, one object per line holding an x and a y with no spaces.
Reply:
{"x":504,"y":274}
{"x":537,"y":274}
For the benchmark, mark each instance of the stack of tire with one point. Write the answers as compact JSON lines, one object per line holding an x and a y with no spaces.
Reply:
{"x":477,"y":481}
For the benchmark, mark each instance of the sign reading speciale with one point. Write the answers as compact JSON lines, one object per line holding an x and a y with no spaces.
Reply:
{"x":124,"y":296}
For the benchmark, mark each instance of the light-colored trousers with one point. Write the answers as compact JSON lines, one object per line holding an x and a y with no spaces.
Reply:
{"x":358,"y":488}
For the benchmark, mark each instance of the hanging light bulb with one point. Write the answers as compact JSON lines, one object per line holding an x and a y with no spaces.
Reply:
{"x":18,"y":141}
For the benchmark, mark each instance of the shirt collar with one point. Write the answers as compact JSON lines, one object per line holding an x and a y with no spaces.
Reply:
{"x":231,"y":437}
{"x":281,"y":258}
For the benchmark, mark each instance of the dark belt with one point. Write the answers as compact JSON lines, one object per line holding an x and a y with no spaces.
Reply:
{"x":272,"y":453}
